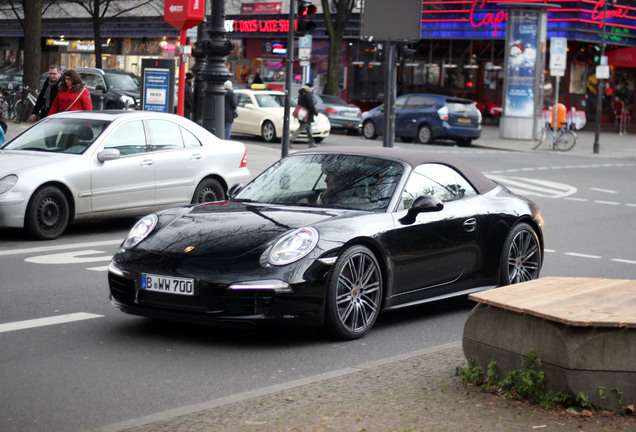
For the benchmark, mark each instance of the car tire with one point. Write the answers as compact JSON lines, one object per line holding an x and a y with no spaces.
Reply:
{"x":424,"y":134}
{"x":354,"y":294}
{"x":268,"y":132}
{"x":209,"y":190}
{"x":47,"y":214}
{"x":369,"y":131}
{"x":521,"y":258}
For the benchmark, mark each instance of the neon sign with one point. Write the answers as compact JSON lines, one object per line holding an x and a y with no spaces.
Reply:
{"x":471,"y":18}
{"x":488,"y":19}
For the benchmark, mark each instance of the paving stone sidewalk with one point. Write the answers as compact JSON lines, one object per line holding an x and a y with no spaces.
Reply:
{"x":417,"y":393}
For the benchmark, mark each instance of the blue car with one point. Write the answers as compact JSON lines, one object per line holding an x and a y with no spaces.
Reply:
{"x":427,"y":117}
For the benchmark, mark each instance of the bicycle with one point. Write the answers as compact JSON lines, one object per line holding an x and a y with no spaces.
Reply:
{"x":562,"y":138}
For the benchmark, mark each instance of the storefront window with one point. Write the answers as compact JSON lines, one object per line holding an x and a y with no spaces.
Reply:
{"x":577,"y":78}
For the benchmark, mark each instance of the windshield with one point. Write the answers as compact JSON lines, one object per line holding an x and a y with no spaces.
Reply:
{"x":71,"y":136}
{"x":327,"y":180}
{"x":121,"y":82}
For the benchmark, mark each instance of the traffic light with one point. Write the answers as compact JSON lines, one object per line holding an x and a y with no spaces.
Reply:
{"x":304,"y":24}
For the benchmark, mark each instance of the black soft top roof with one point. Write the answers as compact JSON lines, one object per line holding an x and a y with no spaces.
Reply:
{"x":414,"y":158}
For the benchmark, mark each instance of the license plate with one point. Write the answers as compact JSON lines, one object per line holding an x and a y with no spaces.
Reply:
{"x":350,"y":114}
{"x":463,"y":120}
{"x":166,"y":284}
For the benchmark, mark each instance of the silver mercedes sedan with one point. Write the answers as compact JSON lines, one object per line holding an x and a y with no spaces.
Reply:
{"x":78,"y":165}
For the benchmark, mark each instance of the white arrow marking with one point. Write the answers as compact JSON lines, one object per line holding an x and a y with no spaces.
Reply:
{"x":73,"y":257}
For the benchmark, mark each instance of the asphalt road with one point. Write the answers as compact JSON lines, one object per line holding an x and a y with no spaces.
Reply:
{"x":101,"y":366}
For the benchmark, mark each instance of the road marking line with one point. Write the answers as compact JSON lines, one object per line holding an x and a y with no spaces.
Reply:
{"x":577,"y":199}
{"x":623,"y":261}
{"x":604,"y":190}
{"x":582,"y":255}
{"x":41,"y":322}
{"x":630,"y":205}
{"x":60,"y":247}
{"x":607,"y":202}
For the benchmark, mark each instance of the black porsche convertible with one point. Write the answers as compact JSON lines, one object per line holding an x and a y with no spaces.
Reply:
{"x":330,"y":237}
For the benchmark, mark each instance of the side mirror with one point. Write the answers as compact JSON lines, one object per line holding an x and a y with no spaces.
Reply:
{"x":100,"y":87}
{"x":422,"y":204}
{"x":108,"y":154}
{"x":234,"y":190}
{"x":249,"y":106}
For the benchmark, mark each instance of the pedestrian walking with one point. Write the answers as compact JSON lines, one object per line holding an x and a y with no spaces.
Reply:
{"x":47,"y":94}
{"x":72,"y":94}
{"x":188,"y":99}
{"x":230,"y":108}
{"x":305,"y":100}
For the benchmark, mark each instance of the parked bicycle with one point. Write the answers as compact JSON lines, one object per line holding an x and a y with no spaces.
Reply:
{"x":562,"y":138}
{"x":25,"y":104}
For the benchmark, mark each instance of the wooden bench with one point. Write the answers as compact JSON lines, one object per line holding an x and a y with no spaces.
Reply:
{"x":583,"y":330}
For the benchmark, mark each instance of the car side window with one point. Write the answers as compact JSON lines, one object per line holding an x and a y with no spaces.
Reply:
{"x":189,"y":140}
{"x":166,"y":135}
{"x":400,"y":103}
{"x":438,"y":180}
{"x":416,"y":101}
{"x":243,"y":99}
{"x":129,"y":138}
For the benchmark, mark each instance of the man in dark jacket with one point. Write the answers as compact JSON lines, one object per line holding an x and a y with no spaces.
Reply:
{"x":306,"y":100}
{"x":230,"y":108}
{"x":188,"y":99}
{"x":47,"y":94}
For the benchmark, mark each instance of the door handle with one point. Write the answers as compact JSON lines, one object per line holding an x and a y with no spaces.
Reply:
{"x":470,"y":225}
{"x":195,"y":156}
{"x":147,"y":162}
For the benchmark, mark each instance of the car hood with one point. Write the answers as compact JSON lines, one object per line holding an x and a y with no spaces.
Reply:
{"x":18,"y":161}
{"x":230,"y":230}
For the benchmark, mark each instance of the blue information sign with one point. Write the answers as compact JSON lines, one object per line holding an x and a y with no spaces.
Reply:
{"x":156,"y":89}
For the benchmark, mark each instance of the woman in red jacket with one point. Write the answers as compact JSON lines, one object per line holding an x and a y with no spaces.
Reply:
{"x":72,"y":94}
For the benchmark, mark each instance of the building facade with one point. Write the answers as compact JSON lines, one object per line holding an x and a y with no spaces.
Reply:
{"x":461,"y":51}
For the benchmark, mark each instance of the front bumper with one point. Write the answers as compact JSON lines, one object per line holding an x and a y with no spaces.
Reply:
{"x":217,"y":301}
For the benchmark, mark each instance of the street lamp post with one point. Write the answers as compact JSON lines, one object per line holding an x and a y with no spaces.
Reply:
{"x":199,"y":64}
{"x":599,"y":92}
{"x":215,"y":72}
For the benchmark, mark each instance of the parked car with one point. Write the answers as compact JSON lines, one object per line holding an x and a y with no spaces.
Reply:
{"x":427,"y":117}
{"x":261,"y":113}
{"x":77,"y":165}
{"x":330,"y":237}
{"x":342,"y":115}
{"x":111,"y":89}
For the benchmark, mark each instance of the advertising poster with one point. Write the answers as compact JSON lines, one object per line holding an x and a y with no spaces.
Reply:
{"x":522,"y":63}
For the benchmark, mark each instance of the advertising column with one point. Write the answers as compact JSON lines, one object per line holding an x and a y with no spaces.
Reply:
{"x":523,"y":82}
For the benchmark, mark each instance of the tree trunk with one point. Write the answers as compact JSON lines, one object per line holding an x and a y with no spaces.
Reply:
{"x":97,"y":34}
{"x":32,"y":42}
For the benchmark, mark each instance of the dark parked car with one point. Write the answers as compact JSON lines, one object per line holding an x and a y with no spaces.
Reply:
{"x":342,"y":115}
{"x":330,"y":237}
{"x":111,"y":89}
{"x":427,"y":117}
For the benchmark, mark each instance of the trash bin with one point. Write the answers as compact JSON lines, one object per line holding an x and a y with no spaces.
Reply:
{"x":561,"y":116}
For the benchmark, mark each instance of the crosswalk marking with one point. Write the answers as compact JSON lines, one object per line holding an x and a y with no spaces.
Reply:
{"x":41,"y":322}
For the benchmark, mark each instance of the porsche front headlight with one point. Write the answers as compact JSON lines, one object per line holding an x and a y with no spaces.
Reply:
{"x":293,"y":246}
{"x":140,"y":231}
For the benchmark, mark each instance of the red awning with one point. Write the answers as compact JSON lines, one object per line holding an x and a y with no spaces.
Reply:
{"x":624,"y":57}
